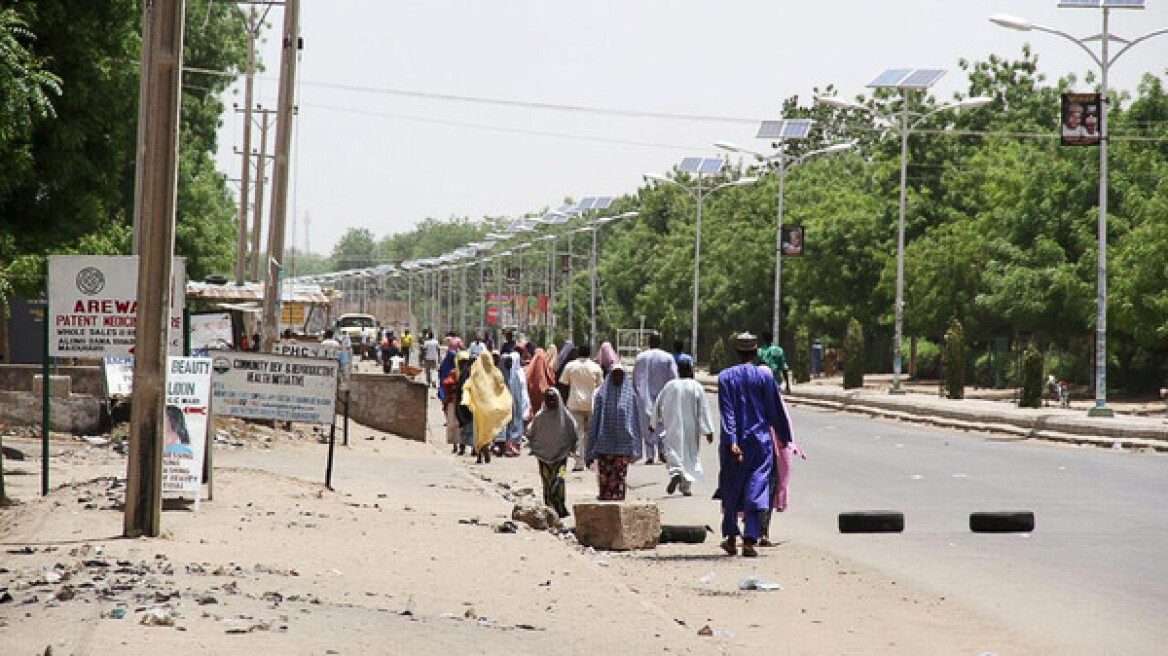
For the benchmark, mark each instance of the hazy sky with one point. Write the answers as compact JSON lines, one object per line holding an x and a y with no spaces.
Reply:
{"x":371,"y":152}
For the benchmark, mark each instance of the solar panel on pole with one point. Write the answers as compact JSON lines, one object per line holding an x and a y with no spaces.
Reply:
{"x":890,"y":78}
{"x":690,"y":165}
{"x":603,"y":203}
{"x":922,"y":78}
{"x":711,"y":165}
{"x":586,"y":204}
{"x":1123,"y":4}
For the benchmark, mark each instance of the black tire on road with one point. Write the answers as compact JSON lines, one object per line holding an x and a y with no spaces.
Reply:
{"x":1001,"y":522}
{"x":684,"y":534}
{"x":871,"y":521}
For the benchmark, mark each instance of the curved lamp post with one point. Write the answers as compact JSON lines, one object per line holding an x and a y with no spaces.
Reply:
{"x":698,"y":192}
{"x":782,"y":161}
{"x":1104,"y":60}
{"x":904,"y":123}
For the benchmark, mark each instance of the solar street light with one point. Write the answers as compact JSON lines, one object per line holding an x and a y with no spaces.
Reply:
{"x":781,"y":160}
{"x":1104,"y":60}
{"x":701,"y":167}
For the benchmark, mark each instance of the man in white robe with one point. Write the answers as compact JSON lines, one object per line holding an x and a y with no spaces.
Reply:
{"x":684,"y":412}
{"x":652,"y":370}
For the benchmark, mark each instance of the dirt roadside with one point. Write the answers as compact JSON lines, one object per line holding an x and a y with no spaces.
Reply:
{"x":404,"y":558}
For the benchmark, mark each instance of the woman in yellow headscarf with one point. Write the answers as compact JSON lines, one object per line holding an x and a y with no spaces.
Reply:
{"x":487,"y":396}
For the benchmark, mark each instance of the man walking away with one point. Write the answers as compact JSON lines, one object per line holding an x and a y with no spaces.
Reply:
{"x":772,"y":356}
{"x":429,"y":356}
{"x":652,"y":370}
{"x":750,"y":406}
{"x":684,"y":413}
{"x":581,"y":376}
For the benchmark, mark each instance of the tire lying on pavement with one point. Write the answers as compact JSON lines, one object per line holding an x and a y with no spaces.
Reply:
{"x":680,"y":533}
{"x":1001,"y":522}
{"x":871,"y":521}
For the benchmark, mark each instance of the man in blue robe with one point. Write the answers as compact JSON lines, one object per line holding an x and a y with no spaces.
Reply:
{"x":748,"y":400}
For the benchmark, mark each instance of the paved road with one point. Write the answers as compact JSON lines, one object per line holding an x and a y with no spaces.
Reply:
{"x":1092,"y":578}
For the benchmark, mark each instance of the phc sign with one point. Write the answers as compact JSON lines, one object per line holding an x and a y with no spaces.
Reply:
{"x":93,"y":305}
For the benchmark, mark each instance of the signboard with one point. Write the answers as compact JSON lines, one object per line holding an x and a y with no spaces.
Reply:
{"x":792,"y":241}
{"x":93,"y":305}
{"x":188,"y":405}
{"x":118,"y":376}
{"x":488,"y":274}
{"x":279,"y":387}
{"x":515,"y":309}
{"x":1081,"y":114}
{"x":319,"y":351}
{"x":513,"y":275}
{"x":211,"y":332}
{"x":565,"y":263}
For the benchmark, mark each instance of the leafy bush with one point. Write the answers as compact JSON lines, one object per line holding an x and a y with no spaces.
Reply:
{"x":854,"y":365}
{"x":718,"y":357}
{"x":955,"y":361}
{"x":1031,"y":378}
{"x":928,"y":360}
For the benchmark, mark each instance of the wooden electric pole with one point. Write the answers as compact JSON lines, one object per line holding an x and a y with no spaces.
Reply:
{"x":155,"y":210}
{"x":253,"y":29}
{"x":261,"y":177}
{"x":280,"y":170}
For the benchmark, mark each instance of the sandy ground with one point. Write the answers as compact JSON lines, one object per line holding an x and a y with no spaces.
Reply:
{"x":403,"y":558}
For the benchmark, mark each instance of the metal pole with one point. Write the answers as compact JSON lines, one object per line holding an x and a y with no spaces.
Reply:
{"x":776,"y":316}
{"x":245,"y":174}
{"x":571,"y":325}
{"x":1101,"y":409}
{"x":280,"y":171}
{"x":592,"y":290}
{"x":46,"y":405}
{"x":157,"y":205}
{"x":551,"y":314}
{"x":693,"y":335}
{"x":409,"y":300}
{"x":899,"y":310}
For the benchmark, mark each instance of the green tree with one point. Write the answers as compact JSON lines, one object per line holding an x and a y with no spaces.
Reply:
{"x":1031,"y":378}
{"x":356,"y":249}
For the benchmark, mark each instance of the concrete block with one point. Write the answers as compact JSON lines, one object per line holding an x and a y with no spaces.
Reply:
{"x":618,"y":525}
{"x":60,"y":387}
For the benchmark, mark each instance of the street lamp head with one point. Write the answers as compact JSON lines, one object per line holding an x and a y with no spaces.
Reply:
{"x":628,"y":215}
{"x":1012,"y":22}
{"x":742,"y":182}
{"x":976,"y":101}
{"x":728,"y":145}
{"x":839,"y":148}
{"x":839,"y":103}
{"x":655,"y":177}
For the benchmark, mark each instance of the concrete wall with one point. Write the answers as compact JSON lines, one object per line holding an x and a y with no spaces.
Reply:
{"x":18,"y":378}
{"x":79,"y":414}
{"x":389,"y":403}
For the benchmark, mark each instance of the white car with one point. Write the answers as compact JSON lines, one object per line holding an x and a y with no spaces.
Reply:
{"x":361,"y":330}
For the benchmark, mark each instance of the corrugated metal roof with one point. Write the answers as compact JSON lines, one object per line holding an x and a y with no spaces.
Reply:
{"x":253,"y":291}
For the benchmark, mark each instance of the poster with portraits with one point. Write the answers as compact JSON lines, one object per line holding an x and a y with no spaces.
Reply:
{"x":188,"y":406}
{"x":791,"y":239}
{"x":1081,"y":121}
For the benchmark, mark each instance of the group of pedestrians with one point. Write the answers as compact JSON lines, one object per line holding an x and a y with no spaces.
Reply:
{"x":588,"y":412}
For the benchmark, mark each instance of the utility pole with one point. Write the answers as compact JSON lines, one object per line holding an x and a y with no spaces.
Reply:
{"x":156,"y":181}
{"x":245,"y":174}
{"x":280,"y":177}
{"x":261,"y":177}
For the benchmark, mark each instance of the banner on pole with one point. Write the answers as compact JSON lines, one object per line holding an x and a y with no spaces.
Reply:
{"x":1081,"y":114}
{"x":792,"y":241}
{"x":188,"y":405}
{"x":93,"y":301}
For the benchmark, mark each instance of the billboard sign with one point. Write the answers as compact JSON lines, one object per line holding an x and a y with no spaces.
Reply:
{"x":188,"y":406}
{"x":93,"y":305}
{"x":278,"y":387}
